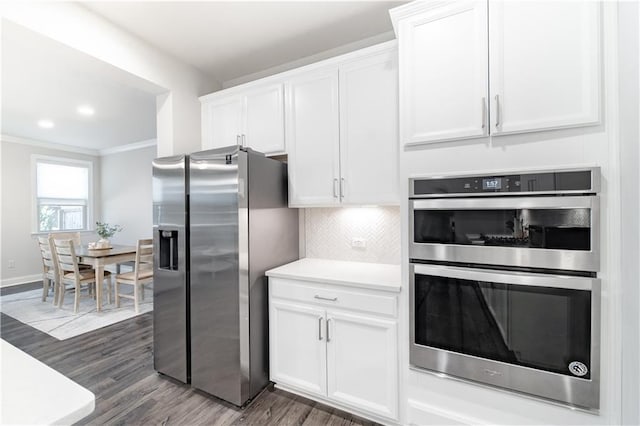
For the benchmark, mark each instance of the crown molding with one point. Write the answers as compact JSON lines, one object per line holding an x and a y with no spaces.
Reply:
{"x":128,"y":147}
{"x":78,"y":149}
{"x":334,"y":55}
{"x":49,"y":145}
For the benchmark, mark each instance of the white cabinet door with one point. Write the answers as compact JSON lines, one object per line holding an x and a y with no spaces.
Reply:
{"x":544,"y":64}
{"x":222,"y":122}
{"x":369,"y":130}
{"x":362,"y":362}
{"x":264,"y":119}
{"x":444,"y":73}
{"x":313,"y":138}
{"x":297,"y":348}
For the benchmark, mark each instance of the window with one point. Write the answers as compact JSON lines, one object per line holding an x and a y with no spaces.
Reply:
{"x":62,"y":194}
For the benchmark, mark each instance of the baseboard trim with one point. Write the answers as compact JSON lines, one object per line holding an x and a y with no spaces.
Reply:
{"x":26,"y":279}
{"x":360,"y":413}
{"x":420,"y":413}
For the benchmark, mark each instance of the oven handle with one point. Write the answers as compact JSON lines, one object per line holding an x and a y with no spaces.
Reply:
{"x":505,"y":203}
{"x":506,"y":277}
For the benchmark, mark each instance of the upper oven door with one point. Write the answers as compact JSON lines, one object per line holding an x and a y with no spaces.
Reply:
{"x":534,"y":232}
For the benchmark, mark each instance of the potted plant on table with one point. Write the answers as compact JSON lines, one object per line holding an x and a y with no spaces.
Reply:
{"x":106,"y":231}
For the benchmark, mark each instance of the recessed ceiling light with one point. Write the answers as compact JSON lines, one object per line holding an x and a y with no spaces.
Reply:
{"x":45,"y":124}
{"x":85,"y":110}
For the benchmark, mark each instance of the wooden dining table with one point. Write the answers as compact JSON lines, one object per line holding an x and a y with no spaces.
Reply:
{"x":99,"y":258}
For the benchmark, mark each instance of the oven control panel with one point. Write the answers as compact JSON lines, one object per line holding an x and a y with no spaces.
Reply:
{"x":567,"y":181}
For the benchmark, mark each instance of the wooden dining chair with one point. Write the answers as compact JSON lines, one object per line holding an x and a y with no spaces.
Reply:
{"x":70,"y":273}
{"x":142,"y":274}
{"x":49,"y":270}
{"x":74,"y":236}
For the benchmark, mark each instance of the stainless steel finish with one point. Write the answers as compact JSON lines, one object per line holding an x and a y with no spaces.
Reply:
{"x":330,"y":299}
{"x":170,"y":286}
{"x":595,"y":184}
{"x":328,"y":328}
{"x":505,"y":203}
{"x":510,"y":256}
{"x":341,"y":188}
{"x":240,"y":227}
{"x":498,"y":115}
{"x":506,"y":277}
{"x":320,"y":328}
{"x":571,"y":390}
{"x":484,"y":112}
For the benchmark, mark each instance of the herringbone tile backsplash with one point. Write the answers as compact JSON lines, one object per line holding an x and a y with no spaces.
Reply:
{"x":329,"y":233}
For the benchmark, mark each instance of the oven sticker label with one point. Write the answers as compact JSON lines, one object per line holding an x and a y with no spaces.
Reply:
{"x":578,"y":369}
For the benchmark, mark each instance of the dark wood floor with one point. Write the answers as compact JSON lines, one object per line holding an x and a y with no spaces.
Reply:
{"x":115,"y":363}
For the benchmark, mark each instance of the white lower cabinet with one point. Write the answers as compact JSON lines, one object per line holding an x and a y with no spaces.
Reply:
{"x":362,"y":362}
{"x":321,"y":344}
{"x":298,"y":354}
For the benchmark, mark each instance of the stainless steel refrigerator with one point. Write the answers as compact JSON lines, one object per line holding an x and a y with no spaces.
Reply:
{"x":236,"y":225}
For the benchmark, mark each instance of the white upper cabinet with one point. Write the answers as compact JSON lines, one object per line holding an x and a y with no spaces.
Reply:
{"x":253,"y":118}
{"x":369,"y":129}
{"x":471,"y":68}
{"x":222,"y":122}
{"x":544,"y":65}
{"x":264,"y":119}
{"x":313,"y":138}
{"x":443,"y":73}
{"x":339,"y":119}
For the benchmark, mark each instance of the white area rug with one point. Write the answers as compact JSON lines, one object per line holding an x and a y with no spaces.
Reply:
{"x":61,"y":323}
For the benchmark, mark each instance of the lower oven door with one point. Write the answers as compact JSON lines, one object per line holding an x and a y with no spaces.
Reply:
{"x":532,"y":333}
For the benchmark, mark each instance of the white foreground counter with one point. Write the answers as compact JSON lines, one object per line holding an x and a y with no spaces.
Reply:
{"x":36,"y":394}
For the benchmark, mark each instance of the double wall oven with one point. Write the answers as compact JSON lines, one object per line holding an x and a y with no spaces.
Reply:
{"x":504,"y":288}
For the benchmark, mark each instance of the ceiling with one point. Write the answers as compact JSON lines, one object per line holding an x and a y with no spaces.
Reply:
{"x":44,"y":79}
{"x":230,"y":39}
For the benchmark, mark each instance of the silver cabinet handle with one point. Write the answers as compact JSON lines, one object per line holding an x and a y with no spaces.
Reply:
{"x":341,"y":188}
{"x":328,"y":338}
{"x":498,"y":111}
{"x":244,"y":141}
{"x":335,"y":187}
{"x":330,"y":299}
{"x":238,"y":140}
{"x":320,"y":328}
{"x":484,"y":112}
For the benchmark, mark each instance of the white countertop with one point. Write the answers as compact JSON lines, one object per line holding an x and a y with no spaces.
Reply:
{"x":376,"y":276}
{"x":36,"y":394}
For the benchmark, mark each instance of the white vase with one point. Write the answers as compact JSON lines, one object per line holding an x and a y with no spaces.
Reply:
{"x":103,"y":243}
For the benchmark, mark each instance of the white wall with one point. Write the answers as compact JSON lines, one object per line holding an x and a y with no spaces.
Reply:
{"x":75,"y":26}
{"x":125,"y":179}
{"x":17,"y":241}
{"x":329,"y":233}
{"x":629,"y":92}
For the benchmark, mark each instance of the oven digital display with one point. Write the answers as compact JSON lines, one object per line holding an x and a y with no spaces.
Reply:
{"x":491,"y":184}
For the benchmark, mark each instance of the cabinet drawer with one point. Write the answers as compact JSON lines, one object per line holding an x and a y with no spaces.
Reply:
{"x":331,"y":296}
